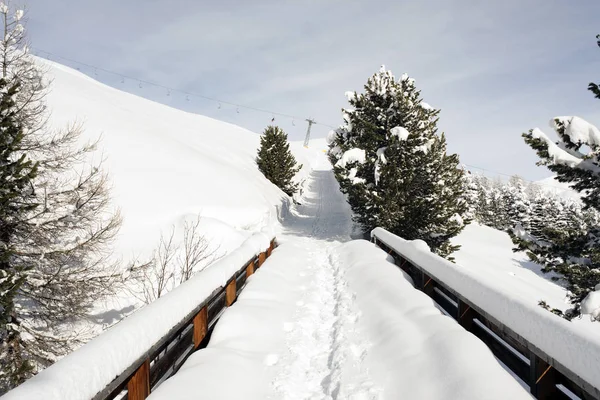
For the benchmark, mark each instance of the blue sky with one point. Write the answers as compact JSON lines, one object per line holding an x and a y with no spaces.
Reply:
{"x":496,"y":69}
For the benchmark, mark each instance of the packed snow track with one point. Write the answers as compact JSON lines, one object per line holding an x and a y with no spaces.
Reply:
{"x":329,"y":318}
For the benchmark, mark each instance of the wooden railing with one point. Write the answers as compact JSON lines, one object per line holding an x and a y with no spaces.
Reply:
{"x":547,"y":377}
{"x":166,"y":356}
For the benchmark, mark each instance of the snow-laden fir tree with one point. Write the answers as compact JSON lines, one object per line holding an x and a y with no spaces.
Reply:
{"x":575,"y":158}
{"x":63,"y":243}
{"x":16,"y":202}
{"x":276,"y":161}
{"x":392,"y":164}
{"x":517,"y":207}
{"x":471,"y":194}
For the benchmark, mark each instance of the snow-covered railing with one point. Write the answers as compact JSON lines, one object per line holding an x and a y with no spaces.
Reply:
{"x":545,"y":351}
{"x":140,"y":352}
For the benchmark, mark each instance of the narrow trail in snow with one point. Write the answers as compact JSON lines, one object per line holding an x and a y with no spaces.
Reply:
{"x":325,"y":350}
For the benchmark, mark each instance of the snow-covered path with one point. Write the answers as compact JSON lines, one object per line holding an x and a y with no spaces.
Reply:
{"x":323,"y":214}
{"x":324,"y":350}
{"x":326,"y":318}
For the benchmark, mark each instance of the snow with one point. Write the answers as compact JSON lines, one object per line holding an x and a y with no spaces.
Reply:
{"x":380,"y":159}
{"x":562,"y":157}
{"x":400,"y":132}
{"x":86,"y":371}
{"x":331,"y":136}
{"x":414,"y":347}
{"x":165,"y":164}
{"x":510,"y":302}
{"x":513,"y":270}
{"x":426,"y":106}
{"x":578,"y":130}
{"x":350,"y":95}
{"x":590,"y":305}
{"x":309,"y":325}
{"x":352,"y":155}
{"x":561,"y":189}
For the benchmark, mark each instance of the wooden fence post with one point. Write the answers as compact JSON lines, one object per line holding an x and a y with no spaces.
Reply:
{"x":138,"y":387}
{"x":542,"y":379}
{"x":261,"y":258}
{"x":250,"y":269}
{"x":200,"y":326}
{"x":230,"y":294}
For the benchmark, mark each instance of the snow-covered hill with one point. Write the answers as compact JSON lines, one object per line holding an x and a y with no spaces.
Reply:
{"x":167,"y":165}
{"x":561,"y":189}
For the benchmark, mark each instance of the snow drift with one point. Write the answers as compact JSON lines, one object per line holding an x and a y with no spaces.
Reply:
{"x":310,"y":325}
{"x":85,"y":372}
{"x":576,"y":349}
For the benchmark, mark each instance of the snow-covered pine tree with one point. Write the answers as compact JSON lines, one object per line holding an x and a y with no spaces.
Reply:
{"x":471,"y":192}
{"x":516,"y":203}
{"x":16,"y":202}
{"x":392,"y":164}
{"x":64,"y":242}
{"x":546,"y":212}
{"x":575,"y":158}
{"x":276,"y":161}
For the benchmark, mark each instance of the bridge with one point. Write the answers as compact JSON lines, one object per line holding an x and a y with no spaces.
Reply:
{"x":309,"y":313}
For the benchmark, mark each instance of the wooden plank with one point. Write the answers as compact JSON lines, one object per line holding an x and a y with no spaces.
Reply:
{"x":261,"y":258}
{"x":200,"y":326}
{"x":230,"y":294}
{"x":138,"y":387}
{"x":250,"y":269}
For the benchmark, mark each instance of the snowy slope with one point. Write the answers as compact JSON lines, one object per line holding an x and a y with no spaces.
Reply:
{"x":165,"y":164}
{"x":561,"y":189}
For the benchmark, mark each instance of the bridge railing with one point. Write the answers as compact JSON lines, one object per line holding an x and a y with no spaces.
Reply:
{"x":545,"y":351}
{"x":136,"y":355}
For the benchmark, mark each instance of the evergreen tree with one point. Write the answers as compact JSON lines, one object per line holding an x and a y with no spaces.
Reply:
{"x":471,"y":193}
{"x":59,"y":250}
{"x":16,"y":202}
{"x":392,"y":164}
{"x":575,"y":158}
{"x":276,"y":161}
{"x":516,"y":203}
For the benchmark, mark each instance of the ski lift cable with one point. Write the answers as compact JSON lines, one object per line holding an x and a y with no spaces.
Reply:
{"x":41,"y":52}
{"x":49,"y":56}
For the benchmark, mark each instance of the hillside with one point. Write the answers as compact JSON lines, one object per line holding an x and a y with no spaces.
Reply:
{"x":167,"y":165}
